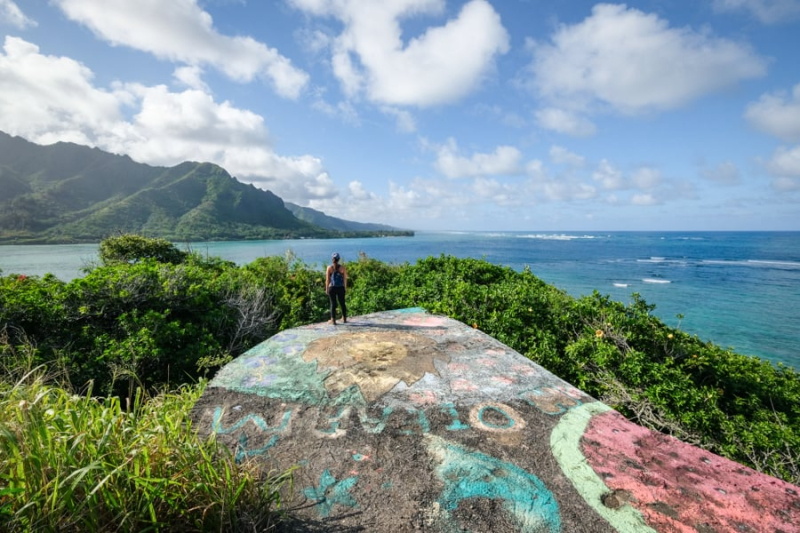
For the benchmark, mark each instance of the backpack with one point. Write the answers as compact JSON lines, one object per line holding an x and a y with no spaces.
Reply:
{"x":337,"y":278}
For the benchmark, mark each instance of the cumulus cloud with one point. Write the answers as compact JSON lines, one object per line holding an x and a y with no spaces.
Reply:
{"x":726,"y":173}
{"x":646,"y":178}
{"x":766,"y":11}
{"x":561,"y":156}
{"x":609,"y":177}
{"x":11,"y":14}
{"x":191,"y":76}
{"x":180,"y":31}
{"x":404,"y":120}
{"x":40,"y":94}
{"x":785,"y":162}
{"x":438,"y":67}
{"x":567,"y":122}
{"x":632,"y":62}
{"x":504,"y":161}
{"x":777,"y":114}
{"x":48,"y":98}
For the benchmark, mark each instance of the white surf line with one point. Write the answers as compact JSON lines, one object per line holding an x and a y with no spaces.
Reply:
{"x":565,"y":442}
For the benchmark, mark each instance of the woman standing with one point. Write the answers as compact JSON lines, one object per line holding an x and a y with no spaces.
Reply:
{"x":335,"y":283}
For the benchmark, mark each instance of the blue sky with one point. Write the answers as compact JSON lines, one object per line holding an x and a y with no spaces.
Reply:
{"x":432,"y":114}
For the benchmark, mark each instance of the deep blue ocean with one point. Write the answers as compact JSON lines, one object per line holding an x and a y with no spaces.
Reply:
{"x":740,"y":290}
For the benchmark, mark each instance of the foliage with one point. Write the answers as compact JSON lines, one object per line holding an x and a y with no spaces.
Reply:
{"x":76,"y":463}
{"x":130,"y":248}
{"x":146,"y":323}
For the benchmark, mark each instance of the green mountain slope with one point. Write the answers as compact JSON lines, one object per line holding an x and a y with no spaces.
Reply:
{"x":318,"y":218}
{"x":71,"y":193}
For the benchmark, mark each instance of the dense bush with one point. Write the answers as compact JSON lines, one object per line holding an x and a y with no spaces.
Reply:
{"x":150,"y":323}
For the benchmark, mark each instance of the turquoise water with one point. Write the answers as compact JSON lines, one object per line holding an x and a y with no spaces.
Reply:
{"x":740,"y":290}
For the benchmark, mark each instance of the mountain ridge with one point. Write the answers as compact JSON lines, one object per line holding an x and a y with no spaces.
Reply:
{"x":66,"y":192}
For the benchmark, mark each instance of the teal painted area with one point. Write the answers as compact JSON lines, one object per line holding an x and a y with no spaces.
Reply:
{"x":335,"y":421}
{"x":467,"y":474}
{"x":260,"y":423}
{"x":243,"y":453}
{"x":422,"y":421}
{"x":410,"y":310}
{"x":331,"y":492}
{"x":456,"y":424}
{"x":276,"y":369}
{"x":507,"y":425}
{"x":351,"y":396}
{"x":374,"y":425}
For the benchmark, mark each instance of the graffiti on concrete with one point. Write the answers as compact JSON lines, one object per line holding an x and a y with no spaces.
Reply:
{"x":468,"y":474}
{"x":403,"y":359}
{"x":330,"y":492}
{"x":421,"y":383}
{"x":375,"y":362}
{"x":488,"y":416}
{"x":659,"y":474}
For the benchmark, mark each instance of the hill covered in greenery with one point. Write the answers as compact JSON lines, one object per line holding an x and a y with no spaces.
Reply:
{"x":66,"y":193}
{"x":318,"y":218}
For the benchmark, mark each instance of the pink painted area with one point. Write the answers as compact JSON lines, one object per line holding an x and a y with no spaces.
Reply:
{"x":525,"y":370}
{"x":425,"y":320}
{"x":463,"y":385}
{"x":678,"y":487}
{"x":424,"y":398}
{"x":503,"y":380}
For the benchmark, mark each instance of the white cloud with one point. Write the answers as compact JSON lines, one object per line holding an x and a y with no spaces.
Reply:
{"x":645,"y":178}
{"x":11,"y":14}
{"x":777,"y":114}
{"x":635,"y":62}
{"x":767,"y":11}
{"x":504,"y":161}
{"x":565,"y":191}
{"x":500,"y":194}
{"x":344,"y":109}
{"x":438,"y":67}
{"x":40,"y":94}
{"x":644,"y":199}
{"x":48,"y":98}
{"x":561,"y":156}
{"x":404,"y":120}
{"x":567,"y":122}
{"x":785,"y":162}
{"x":726,"y":173}
{"x":192,"y":77}
{"x":609,"y":177}
{"x":180,"y":31}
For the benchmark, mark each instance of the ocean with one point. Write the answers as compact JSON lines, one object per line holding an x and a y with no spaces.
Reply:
{"x":740,"y":290}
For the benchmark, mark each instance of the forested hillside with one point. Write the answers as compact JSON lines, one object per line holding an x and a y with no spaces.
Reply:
{"x":69,"y":193}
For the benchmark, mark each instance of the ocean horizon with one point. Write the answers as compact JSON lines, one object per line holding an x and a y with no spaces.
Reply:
{"x":740,"y":290}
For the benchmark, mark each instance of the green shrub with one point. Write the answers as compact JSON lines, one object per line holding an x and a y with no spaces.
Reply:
{"x":130,"y":248}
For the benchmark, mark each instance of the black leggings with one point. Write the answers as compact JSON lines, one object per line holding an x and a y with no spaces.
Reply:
{"x":337,"y":293}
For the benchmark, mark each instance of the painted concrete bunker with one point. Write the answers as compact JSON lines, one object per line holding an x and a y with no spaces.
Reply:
{"x":406,"y":421}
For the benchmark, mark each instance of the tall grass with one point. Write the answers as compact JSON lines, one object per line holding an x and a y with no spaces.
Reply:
{"x":71,"y":462}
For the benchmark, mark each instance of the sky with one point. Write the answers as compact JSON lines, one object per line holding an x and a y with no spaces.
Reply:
{"x":528,"y":115}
